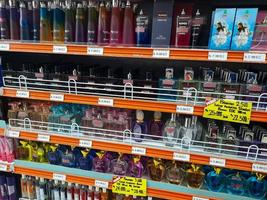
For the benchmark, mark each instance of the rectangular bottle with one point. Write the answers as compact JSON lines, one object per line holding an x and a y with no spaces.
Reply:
{"x":183,"y":30}
{"x":92,"y":22}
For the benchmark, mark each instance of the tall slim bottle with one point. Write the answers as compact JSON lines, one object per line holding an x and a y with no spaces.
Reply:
{"x":30,"y":19}
{"x":69,"y":22}
{"x":58,"y":22}
{"x":24,"y":22}
{"x":45,"y":26}
{"x":14,"y":21}
{"x":92,"y":22}
{"x":79,"y":30}
{"x":115,"y":26}
{"x":4,"y":21}
{"x":103,"y":33}
{"x":128,"y":35}
{"x":141,"y":29}
{"x":36,"y":20}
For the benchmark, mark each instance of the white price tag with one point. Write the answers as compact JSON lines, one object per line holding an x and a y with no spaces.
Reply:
{"x":60,"y":49}
{"x":14,"y":134}
{"x":85,"y":143}
{"x":185,"y":109}
{"x":4,"y":47}
{"x":199,"y":198}
{"x":101,"y":184}
{"x":22,"y":94}
{"x":56,"y":97}
{"x":181,"y":157}
{"x":139,"y":150}
{"x":161,"y":53}
{"x":254,"y":57}
{"x":95,"y":51}
{"x":220,"y":162}
{"x":3,"y":167}
{"x":59,"y":177}
{"x":105,"y":102}
{"x":43,"y":138}
{"x":259,"y":168}
{"x":220,"y":56}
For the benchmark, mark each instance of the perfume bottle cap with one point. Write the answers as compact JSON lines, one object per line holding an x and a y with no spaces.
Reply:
{"x":108,"y":5}
{"x":197,"y":13}
{"x":35,"y":4}
{"x":76,"y":184}
{"x":183,"y":12}
{"x":22,"y":5}
{"x":69,"y":184}
{"x":29,"y":5}
{"x":97,"y":189}
{"x":104,"y":190}
{"x":129,"y":76}
{"x":41,"y":179}
{"x":141,"y":12}
{"x":23,"y":176}
{"x":102,"y":4}
{"x":2,"y":4}
{"x":128,"y":3}
{"x":79,"y":5}
{"x":90,"y":187}
{"x":115,"y":3}
{"x":42,"y":5}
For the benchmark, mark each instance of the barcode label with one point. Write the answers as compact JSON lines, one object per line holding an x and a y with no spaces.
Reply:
{"x":59,"y":177}
{"x":43,"y":138}
{"x":85,"y":143}
{"x":4,"y":47}
{"x":139,"y":150}
{"x":3,"y":167}
{"x":220,"y":56}
{"x":161,"y":53}
{"x":22,"y":94}
{"x":181,"y":157}
{"x":254,"y":57}
{"x":259,"y":168}
{"x":95,"y":51}
{"x":199,"y":198}
{"x":101,"y":184}
{"x":105,"y":102}
{"x":217,"y":162}
{"x":14,"y":134}
{"x":185,"y":109}
{"x":56,"y":97}
{"x":60,"y":49}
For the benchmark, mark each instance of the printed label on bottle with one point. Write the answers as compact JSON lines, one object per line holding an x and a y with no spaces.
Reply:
{"x":59,"y":177}
{"x":60,"y":49}
{"x":105,"y":102}
{"x":14,"y":134}
{"x":101,"y":184}
{"x":139,"y":150}
{"x":22,"y":94}
{"x":56,"y":97}
{"x":185,"y":109}
{"x":254,"y":57}
{"x":181,"y":157}
{"x":199,"y":198}
{"x":217,"y":162}
{"x":259,"y":168}
{"x":161,"y":53}
{"x":85,"y":143}
{"x":4,"y":47}
{"x":3,"y":167}
{"x":95,"y":51}
{"x":220,"y":56}
{"x":43,"y":138}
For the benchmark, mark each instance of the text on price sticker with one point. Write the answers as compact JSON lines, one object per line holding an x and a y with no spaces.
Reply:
{"x":181,"y":157}
{"x":4,"y":47}
{"x":59,"y":177}
{"x":60,"y":49}
{"x":101,"y":184}
{"x":105,"y":102}
{"x":254,"y":57}
{"x":139,"y":150}
{"x":161,"y":53}
{"x":3,"y":167}
{"x":43,"y":137}
{"x":199,"y":198}
{"x":217,"y":162}
{"x":56,"y":97}
{"x":185,"y":109}
{"x":219,"y":56}
{"x":22,"y":94}
{"x":14,"y":134}
{"x":85,"y":143}
{"x":259,"y":168}
{"x":95,"y":51}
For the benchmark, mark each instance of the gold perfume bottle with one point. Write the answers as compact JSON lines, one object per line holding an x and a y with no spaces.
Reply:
{"x":156,"y":169}
{"x":194,"y":176}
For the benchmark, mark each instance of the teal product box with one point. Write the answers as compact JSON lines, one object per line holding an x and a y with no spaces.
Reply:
{"x":245,"y":21}
{"x":222,"y":28}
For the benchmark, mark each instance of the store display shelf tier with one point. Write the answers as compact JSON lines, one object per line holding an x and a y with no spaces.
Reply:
{"x":154,"y":188}
{"x":135,"y":52}
{"x":247,"y":158}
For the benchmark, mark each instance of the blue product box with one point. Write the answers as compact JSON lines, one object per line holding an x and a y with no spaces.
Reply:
{"x":222,"y":28}
{"x":245,"y":21}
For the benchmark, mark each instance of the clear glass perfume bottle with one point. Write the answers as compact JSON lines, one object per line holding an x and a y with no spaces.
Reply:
{"x":139,"y":127}
{"x":156,"y":126}
{"x":187,"y":130}
{"x":170,"y":131}
{"x":175,"y":173}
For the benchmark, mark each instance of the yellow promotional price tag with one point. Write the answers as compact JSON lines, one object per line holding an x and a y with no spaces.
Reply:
{"x":229,"y":110}
{"x":129,"y":186}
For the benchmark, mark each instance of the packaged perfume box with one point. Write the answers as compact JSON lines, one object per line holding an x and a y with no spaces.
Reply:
{"x":162,"y":21}
{"x":244,"y":28}
{"x":260,"y":33}
{"x":222,"y":27}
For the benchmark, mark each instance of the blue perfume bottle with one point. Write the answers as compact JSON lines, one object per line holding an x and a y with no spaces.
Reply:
{"x":86,"y":161}
{"x":215,"y":180}
{"x":68,"y":159}
{"x":141,"y":29}
{"x":257,"y":186}
{"x":53,"y":155}
{"x":235,"y":184}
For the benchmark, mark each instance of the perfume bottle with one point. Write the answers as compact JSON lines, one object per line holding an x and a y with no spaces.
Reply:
{"x":4,"y":21}
{"x":43,"y":189}
{"x":79,"y":30}
{"x":86,"y":161}
{"x":156,"y":169}
{"x":14,"y":21}
{"x":257,"y":186}
{"x":30,"y":19}
{"x":36,"y":20}
{"x":197,"y":24}
{"x":183,"y":30}
{"x":23,"y":184}
{"x":170,"y":131}
{"x":115,"y":27}
{"x":139,"y":127}
{"x":156,"y":126}
{"x":194,"y":176}
{"x":119,"y":166}
{"x":235,"y":184}
{"x":128,"y":35}
{"x":63,"y":191}
{"x":103,"y":33}
{"x":58,"y":22}
{"x":97,"y":195}
{"x":31,"y":188}
{"x":68,"y":159}
{"x":37,"y":187}
{"x":215,"y":180}
{"x":45,"y":25}
{"x":101,"y":163}
{"x":69,"y":35}
{"x":142,"y":29}
{"x":136,"y":168}
{"x":92,"y":22}
{"x":55,"y":191}
{"x":83,"y":195}
{"x":90,"y":193}
{"x":53,"y":155}
{"x":70,"y":191}
{"x":175,"y":173}
{"x":187,"y":130}
{"x":24,"y":23}
{"x":104,"y":194}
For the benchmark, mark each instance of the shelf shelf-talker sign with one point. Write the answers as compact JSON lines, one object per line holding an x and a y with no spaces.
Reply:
{"x":229,"y":110}
{"x":129,"y":186}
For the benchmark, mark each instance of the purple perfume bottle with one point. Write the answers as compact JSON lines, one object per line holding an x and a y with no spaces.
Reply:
{"x":4,"y":26}
{"x":103,"y":33}
{"x":115,"y":27}
{"x":136,"y":168}
{"x":119,"y":166}
{"x":128,"y":34}
{"x":139,"y":126}
{"x":101,"y":162}
{"x":156,"y":126}
{"x":14,"y":21}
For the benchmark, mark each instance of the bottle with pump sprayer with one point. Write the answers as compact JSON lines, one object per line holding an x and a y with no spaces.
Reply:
{"x":183,"y":30}
{"x":37,"y":188}
{"x":23,"y":184}
{"x":128,"y":35}
{"x":92,"y":22}
{"x":36,"y":20}
{"x":103,"y":33}
{"x":24,"y":23}
{"x":56,"y":193}
{"x":115,"y":27}
{"x":70,"y":192}
{"x":77,"y":192}
{"x":97,"y":194}
{"x":43,"y":190}
{"x":63,"y":191}
{"x":30,"y":19}
{"x":58,"y":22}
{"x":90,"y":193}
{"x":197,"y":26}
{"x":69,"y":22}
{"x":80,"y":18}
{"x":141,"y":29}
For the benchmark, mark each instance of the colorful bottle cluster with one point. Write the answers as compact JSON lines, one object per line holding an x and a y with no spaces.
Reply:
{"x":8,"y":187}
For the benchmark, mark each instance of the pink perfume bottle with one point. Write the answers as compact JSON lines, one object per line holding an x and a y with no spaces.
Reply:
{"x":103,"y":33}
{"x":101,"y":162}
{"x":128,"y":34}
{"x":115,"y":26}
{"x":119,"y":166}
{"x":183,"y":30}
{"x":136,"y":168}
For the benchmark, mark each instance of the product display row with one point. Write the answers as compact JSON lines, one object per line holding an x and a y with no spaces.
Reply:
{"x":169,"y":23}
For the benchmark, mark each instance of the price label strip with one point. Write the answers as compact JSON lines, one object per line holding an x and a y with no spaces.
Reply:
{"x":4,"y":47}
{"x":161,"y":53}
{"x":59,"y":177}
{"x":254,"y":57}
{"x":60,"y":49}
{"x":181,"y":157}
{"x":13,"y":134}
{"x":218,"y":56}
{"x":105,"y":102}
{"x":229,"y":110}
{"x":259,"y":168}
{"x":185,"y":109}
{"x":57,"y":97}
{"x":85,"y":143}
{"x":219,"y":162}
{"x":22,"y":94}
{"x":139,"y":151}
{"x":95,"y":51}
{"x":43,"y":137}
{"x":101,"y":184}
{"x":129,"y":186}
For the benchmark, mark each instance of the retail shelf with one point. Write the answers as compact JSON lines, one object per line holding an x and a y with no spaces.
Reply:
{"x":128,"y":103}
{"x":154,"y":189}
{"x":131,"y":52}
{"x":204,"y":153}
